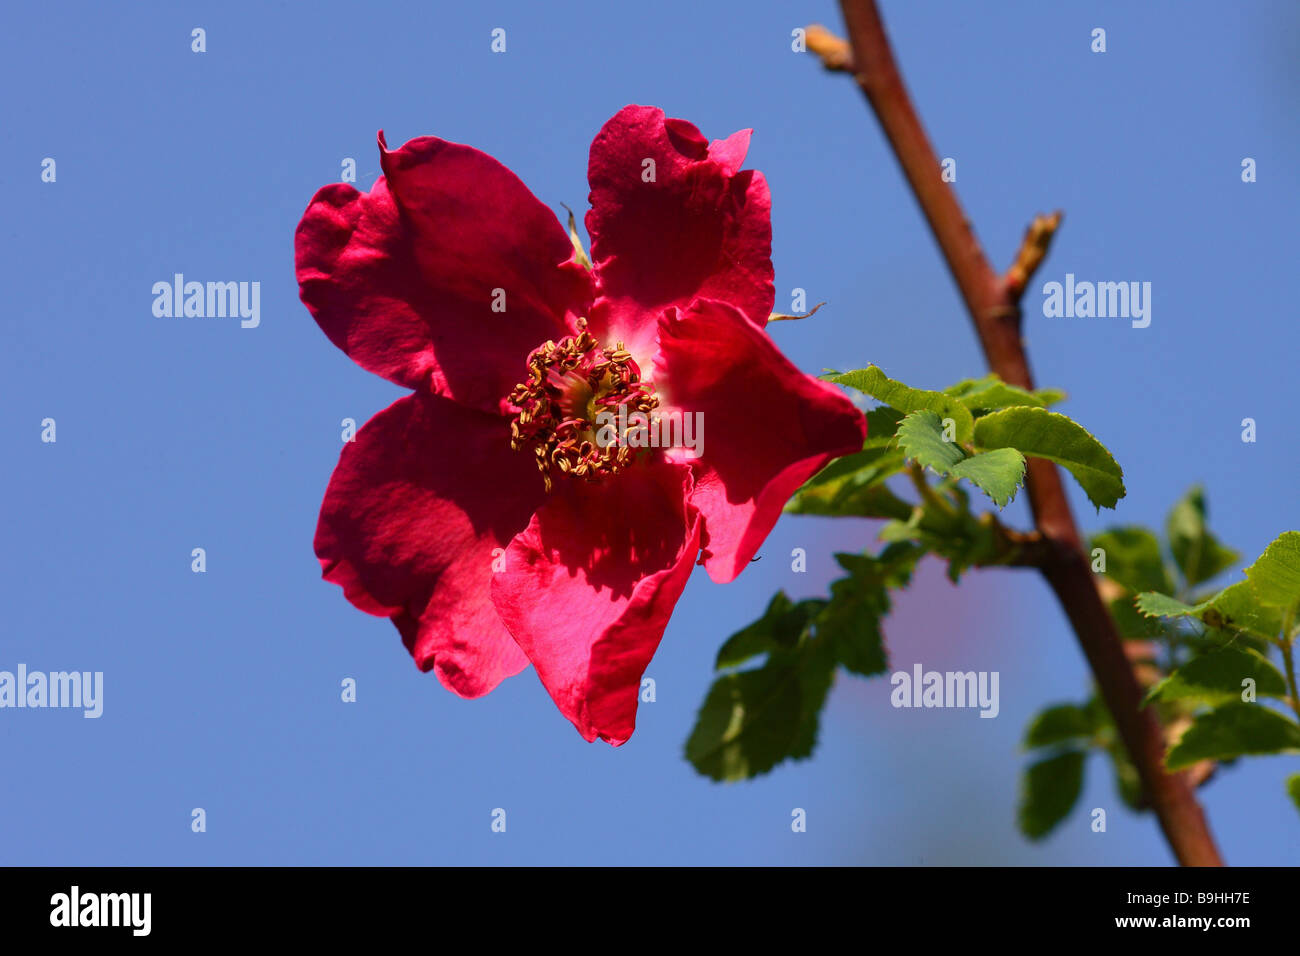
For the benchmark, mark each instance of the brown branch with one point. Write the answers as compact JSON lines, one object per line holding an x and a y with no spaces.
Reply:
{"x":1021,"y":549}
{"x":994,"y":307}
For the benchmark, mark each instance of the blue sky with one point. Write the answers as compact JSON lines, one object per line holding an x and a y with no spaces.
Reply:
{"x":222,"y":689}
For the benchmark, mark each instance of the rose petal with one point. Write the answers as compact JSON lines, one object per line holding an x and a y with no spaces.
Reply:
{"x":402,"y":278}
{"x":702,"y":228}
{"x":590,"y":584}
{"x":408,"y":526}
{"x":767,"y":426}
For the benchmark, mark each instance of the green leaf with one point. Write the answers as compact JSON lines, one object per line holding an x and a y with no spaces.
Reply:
{"x":1133,"y":559}
{"x":881,"y":387}
{"x":753,"y":720}
{"x":1234,"y":730}
{"x":781,"y":627}
{"x":1127,"y":781}
{"x":1039,"y":433}
{"x":851,"y":487}
{"x":1216,"y":678}
{"x":845,"y":466}
{"x":1275,"y":575}
{"x":968,"y":385}
{"x":853,"y":625}
{"x":1049,"y":791}
{"x":862,"y":467}
{"x":1235,"y":608}
{"x":851,"y":621}
{"x":997,"y":473}
{"x":882,"y":423}
{"x":871,"y":472}
{"x":978,"y":393}
{"x":1199,"y":554}
{"x":1062,"y":723}
{"x":964,"y":539}
{"x":1293,"y":789}
{"x":921,"y":437}
{"x":1132,"y":624}
{"x":998,"y":395}
{"x":848,"y":501}
{"x":1153,"y":604}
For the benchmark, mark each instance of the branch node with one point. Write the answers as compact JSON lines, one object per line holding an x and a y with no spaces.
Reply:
{"x":1033,"y":249}
{"x":835,"y":53}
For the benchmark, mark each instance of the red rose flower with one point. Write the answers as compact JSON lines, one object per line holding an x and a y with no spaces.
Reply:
{"x":503,"y":512}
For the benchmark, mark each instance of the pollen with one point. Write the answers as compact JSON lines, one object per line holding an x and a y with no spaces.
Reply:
{"x":569,"y":407}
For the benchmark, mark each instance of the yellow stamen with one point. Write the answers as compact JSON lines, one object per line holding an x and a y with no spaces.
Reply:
{"x":570,"y":384}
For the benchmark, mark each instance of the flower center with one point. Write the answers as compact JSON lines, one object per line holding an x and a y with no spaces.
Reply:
{"x":575,"y":400}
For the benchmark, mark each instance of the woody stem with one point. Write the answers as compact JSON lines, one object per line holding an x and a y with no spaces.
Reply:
{"x":994,"y":306}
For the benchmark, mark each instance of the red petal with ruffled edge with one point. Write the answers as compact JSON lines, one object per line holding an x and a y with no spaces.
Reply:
{"x":410,"y":519}
{"x":702,"y":228}
{"x":403,"y":278}
{"x":768,"y":427}
{"x":590,"y":584}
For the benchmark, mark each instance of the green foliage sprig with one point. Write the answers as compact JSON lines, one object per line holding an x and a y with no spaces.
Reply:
{"x":1205,"y":654}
